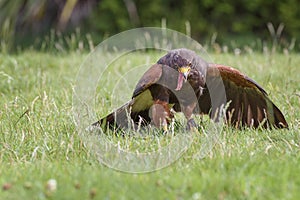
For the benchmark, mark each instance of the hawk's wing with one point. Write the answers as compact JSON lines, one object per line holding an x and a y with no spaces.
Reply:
{"x":150,"y":77}
{"x":148,"y":91}
{"x":249,"y":104}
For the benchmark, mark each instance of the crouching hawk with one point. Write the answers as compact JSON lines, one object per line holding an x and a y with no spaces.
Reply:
{"x":181,"y":81}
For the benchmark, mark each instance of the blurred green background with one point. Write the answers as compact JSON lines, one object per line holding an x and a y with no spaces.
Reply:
{"x":27,"y":23}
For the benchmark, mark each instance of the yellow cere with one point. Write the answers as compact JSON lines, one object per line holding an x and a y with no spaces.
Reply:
{"x":184,"y":69}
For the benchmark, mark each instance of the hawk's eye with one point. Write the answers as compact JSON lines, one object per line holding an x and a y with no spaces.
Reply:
{"x":176,"y":57}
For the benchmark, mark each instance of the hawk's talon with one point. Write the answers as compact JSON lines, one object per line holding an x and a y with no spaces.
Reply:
{"x":191,"y":125}
{"x":165,"y":128}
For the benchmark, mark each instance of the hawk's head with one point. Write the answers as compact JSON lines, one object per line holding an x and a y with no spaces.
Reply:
{"x":182,"y":60}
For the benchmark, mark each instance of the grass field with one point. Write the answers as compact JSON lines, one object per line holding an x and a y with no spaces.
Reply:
{"x":39,"y":140}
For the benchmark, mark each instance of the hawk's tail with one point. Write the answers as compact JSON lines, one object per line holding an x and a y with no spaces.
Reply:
{"x":119,"y":118}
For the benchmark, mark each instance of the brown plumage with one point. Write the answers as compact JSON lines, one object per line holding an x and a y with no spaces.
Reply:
{"x":183,"y":82}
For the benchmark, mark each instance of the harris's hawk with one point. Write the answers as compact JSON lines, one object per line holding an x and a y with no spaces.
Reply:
{"x":181,"y":81}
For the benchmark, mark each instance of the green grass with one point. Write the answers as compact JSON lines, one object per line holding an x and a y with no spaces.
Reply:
{"x":39,"y":140}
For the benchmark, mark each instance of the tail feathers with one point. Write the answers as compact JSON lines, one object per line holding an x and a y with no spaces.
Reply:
{"x":106,"y":121}
{"x":120,"y":118}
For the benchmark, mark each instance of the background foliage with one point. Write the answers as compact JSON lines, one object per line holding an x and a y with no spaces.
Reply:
{"x":26,"y":22}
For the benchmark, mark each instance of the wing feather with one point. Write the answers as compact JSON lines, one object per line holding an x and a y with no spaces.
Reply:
{"x":249,"y":102}
{"x":137,"y":109}
{"x":151,"y":76}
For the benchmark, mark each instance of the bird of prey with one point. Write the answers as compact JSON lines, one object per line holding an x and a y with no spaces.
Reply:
{"x":181,"y":81}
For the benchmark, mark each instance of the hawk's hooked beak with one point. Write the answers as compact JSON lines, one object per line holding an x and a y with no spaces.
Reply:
{"x":183,"y":75}
{"x":185,"y":71}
